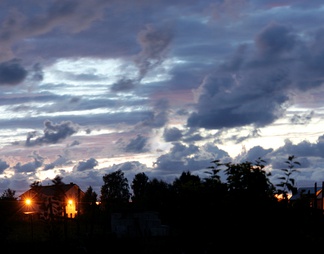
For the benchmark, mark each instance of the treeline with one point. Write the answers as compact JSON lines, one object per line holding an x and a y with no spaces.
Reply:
{"x":205,"y":214}
{"x":208,"y":213}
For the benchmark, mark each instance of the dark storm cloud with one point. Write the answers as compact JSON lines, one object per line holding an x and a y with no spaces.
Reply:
{"x":189,"y":157}
{"x":3,"y":166}
{"x":159,"y":116}
{"x":177,"y":158}
{"x":30,"y":166}
{"x":193,"y":138}
{"x":172,"y":134}
{"x":123,"y":85}
{"x":254,"y":154}
{"x":53,"y":133}
{"x":70,"y":14}
{"x":304,"y":148}
{"x":62,"y":160}
{"x":154,"y":43}
{"x":12,"y":73}
{"x":83,"y":29}
{"x":225,"y":104}
{"x":137,"y":145}
{"x":86,"y":165}
{"x":253,"y":88}
{"x":275,"y":40}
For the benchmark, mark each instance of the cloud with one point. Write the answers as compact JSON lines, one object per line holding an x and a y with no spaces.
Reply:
{"x":53,"y":133}
{"x":30,"y":166}
{"x":37,"y":73}
{"x":195,"y":159}
{"x":303,"y":149}
{"x":226,"y":104}
{"x":172,"y":134}
{"x":62,"y":160}
{"x":275,"y":40}
{"x":74,"y":143}
{"x":254,"y":154}
{"x":129,"y":166}
{"x":302,"y":118}
{"x":159,"y":116}
{"x":21,"y":22}
{"x":137,"y":145}
{"x":86,"y":165}
{"x":12,"y":73}
{"x":3,"y":166}
{"x":252,"y":87}
{"x":123,"y":84}
{"x":154,"y":42}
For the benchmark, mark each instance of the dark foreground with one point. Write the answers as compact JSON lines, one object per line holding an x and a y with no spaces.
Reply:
{"x":235,"y":235}
{"x":252,"y":242}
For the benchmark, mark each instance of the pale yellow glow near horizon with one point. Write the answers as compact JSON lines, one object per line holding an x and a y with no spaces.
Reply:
{"x":275,"y":135}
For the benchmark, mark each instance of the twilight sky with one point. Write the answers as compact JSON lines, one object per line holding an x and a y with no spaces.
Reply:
{"x":161,"y":87}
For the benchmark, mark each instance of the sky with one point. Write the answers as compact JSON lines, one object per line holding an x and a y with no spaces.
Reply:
{"x":160,"y":87}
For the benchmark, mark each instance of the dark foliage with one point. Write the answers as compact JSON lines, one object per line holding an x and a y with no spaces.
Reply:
{"x":204,"y":215}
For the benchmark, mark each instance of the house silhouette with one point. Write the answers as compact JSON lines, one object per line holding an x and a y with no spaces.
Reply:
{"x":57,"y":199}
{"x":312,"y":195}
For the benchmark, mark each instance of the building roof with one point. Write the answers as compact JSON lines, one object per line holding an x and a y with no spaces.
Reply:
{"x":307,"y":191}
{"x":49,"y":190}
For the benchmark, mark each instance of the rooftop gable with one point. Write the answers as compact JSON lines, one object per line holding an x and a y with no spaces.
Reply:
{"x":307,"y":191}
{"x":50,"y":190}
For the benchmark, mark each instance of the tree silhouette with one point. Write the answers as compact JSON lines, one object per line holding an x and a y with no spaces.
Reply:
{"x":139,"y":186}
{"x":204,"y":214}
{"x":58,"y":180}
{"x":287,"y":184}
{"x":89,"y":209}
{"x":8,"y":211}
{"x":115,"y":190}
{"x":8,"y":194}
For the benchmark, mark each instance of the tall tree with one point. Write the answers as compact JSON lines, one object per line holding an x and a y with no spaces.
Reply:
{"x":89,"y":208}
{"x":115,"y":190}
{"x":249,"y":180}
{"x":187,"y":183}
{"x":8,"y":194}
{"x":58,"y":180}
{"x":90,"y":196}
{"x":8,"y":211}
{"x":139,"y":186}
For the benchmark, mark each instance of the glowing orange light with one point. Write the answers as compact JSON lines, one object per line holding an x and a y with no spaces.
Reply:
{"x":70,"y":201}
{"x":28,"y":201}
